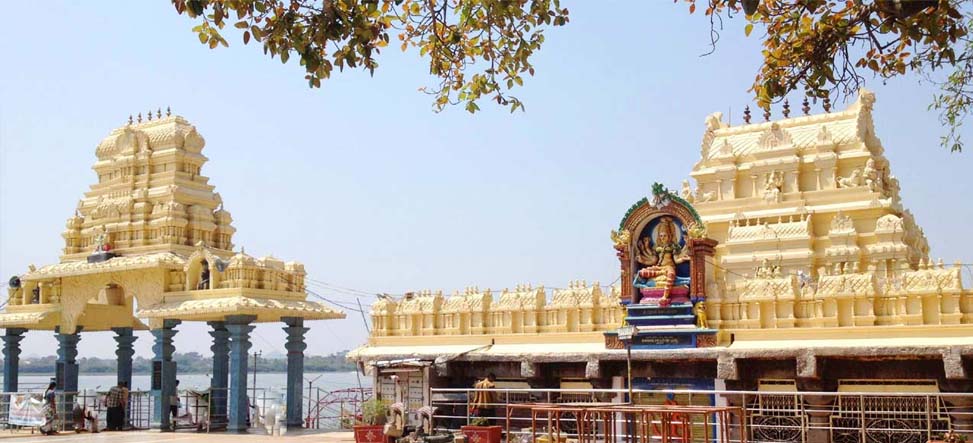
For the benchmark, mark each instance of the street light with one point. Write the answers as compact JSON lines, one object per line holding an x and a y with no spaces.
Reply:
{"x":625,"y":334}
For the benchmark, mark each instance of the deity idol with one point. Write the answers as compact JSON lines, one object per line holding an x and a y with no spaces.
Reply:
{"x":660,"y":253}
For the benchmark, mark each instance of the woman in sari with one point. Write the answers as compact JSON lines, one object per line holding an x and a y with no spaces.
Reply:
{"x":50,"y":410}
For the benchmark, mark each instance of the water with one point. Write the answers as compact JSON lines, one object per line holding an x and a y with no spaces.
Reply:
{"x":275,"y":381}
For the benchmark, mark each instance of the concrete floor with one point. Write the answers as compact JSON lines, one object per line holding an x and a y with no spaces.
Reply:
{"x":180,"y":437}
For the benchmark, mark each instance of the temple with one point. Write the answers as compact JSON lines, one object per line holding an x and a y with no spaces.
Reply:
{"x":791,"y":265}
{"x":152,"y":233}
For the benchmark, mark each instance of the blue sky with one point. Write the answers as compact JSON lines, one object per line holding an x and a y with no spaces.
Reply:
{"x":369,"y":187}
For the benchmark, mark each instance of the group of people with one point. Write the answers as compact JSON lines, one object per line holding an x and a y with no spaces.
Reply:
{"x":115,"y":402}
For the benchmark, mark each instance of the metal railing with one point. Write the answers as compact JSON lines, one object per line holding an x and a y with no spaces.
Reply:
{"x":335,"y":409}
{"x":138,"y":412}
{"x":839,"y":417}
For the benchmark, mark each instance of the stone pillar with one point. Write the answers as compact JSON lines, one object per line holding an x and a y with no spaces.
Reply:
{"x":11,"y":357}
{"x":221,"y":372}
{"x":295,"y":369}
{"x":66,"y":370}
{"x":163,"y":374}
{"x":124,"y":353}
{"x":239,"y":328}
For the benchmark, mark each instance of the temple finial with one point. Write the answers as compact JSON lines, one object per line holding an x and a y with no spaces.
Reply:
{"x":168,"y":111}
{"x":158,"y":112}
{"x":140,"y":117}
{"x":129,"y":118}
{"x":150,"y":115}
{"x":767,"y":114}
{"x":827,"y":104}
{"x":746,"y":114}
{"x":806,"y":106}
{"x":787,"y":108}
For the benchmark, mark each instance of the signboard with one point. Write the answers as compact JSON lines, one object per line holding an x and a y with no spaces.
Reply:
{"x":684,"y":340}
{"x":156,"y":375}
{"x":26,"y":410}
{"x":626,"y":332}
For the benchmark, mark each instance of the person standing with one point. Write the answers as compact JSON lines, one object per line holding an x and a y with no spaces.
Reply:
{"x":484,"y":401}
{"x":174,"y":404}
{"x":114,"y":401}
{"x":49,"y":427}
{"x":123,"y":424}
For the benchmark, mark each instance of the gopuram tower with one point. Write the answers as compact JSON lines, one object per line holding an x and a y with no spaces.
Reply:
{"x":152,"y":233}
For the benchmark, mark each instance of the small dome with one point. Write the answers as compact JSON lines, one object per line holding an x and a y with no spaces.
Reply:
{"x":240,"y":260}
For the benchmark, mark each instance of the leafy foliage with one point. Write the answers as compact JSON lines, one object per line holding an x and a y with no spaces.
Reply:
{"x":374,"y":411}
{"x":476,"y":48}
{"x":482,"y":48}
{"x":825,"y":47}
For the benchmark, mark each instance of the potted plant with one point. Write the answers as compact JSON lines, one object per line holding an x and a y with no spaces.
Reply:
{"x":373,"y":417}
{"x":479,"y":431}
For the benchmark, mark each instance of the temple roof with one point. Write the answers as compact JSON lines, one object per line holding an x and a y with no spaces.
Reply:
{"x":265,"y":309}
{"x":165,"y":260}
{"x":723,"y":143}
{"x":96,"y":317}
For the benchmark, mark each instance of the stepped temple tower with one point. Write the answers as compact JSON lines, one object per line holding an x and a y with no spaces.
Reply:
{"x":792,"y":264}
{"x":150,"y":245}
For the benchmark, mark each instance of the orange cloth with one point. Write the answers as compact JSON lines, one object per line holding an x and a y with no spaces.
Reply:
{"x":483,"y":399}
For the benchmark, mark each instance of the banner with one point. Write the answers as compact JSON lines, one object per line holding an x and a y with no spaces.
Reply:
{"x":26,"y":410}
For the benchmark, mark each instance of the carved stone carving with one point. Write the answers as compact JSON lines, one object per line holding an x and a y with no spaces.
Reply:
{"x":774,"y":137}
{"x":852,"y":181}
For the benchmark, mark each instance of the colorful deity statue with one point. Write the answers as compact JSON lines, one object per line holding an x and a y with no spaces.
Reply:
{"x":660,"y":252}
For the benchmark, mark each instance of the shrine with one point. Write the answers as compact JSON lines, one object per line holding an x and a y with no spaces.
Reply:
{"x":792,"y":265}
{"x":148,"y":247}
{"x":666,"y":265}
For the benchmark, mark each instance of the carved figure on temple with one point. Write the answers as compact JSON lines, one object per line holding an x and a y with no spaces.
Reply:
{"x":700,"y":311}
{"x":620,"y":238}
{"x":703,"y":197}
{"x":872,"y":176}
{"x":853,"y":180}
{"x":687,"y":192}
{"x":203,"y":276}
{"x":101,"y":240}
{"x":773,"y":186}
{"x":660,"y":250}
{"x":661,"y":243}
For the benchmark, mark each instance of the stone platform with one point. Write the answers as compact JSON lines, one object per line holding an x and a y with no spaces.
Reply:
{"x":663,"y":327}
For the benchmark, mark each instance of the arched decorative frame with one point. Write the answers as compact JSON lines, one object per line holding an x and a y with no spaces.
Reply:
{"x":193,"y":268}
{"x":663,"y":203}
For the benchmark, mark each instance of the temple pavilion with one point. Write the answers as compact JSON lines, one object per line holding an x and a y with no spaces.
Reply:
{"x":149,"y":246}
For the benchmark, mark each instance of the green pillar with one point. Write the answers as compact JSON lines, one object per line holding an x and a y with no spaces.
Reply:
{"x":221,"y":373}
{"x":239,"y":327}
{"x":163,"y":374}
{"x":11,"y":357}
{"x":295,"y":369}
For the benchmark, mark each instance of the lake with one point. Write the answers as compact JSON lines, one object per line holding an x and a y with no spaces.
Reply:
{"x":275,"y":381}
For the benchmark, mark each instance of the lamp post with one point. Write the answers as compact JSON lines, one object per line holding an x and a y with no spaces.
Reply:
{"x":310,"y":385}
{"x":625,"y":334}
{"x":256,"y":356}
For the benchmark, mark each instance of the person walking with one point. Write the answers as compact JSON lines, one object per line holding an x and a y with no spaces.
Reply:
{"x":115,"y":401}
{"x":49,"y":427}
